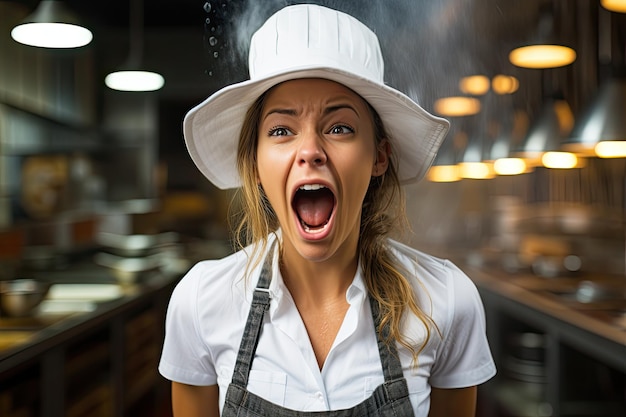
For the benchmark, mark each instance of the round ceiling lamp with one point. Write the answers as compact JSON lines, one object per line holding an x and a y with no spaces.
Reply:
{"x":131,"y":77}
{"x":542,"y":56}
{"x":457,"y":106}
{"x":510,"y":166}
{"x":52,"y":25}
{"x":476,"y":85}
{"x":504,"y":84}
{"x":444,"y":168}
{"x":601,"y":130}
{"x":547,"y":46}
{"x":543,"y":144}
{"x":614,"y":5}
{"x":134,"y":80}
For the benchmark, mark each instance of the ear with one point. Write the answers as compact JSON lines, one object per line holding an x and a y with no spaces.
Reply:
{"x":383,"y":153}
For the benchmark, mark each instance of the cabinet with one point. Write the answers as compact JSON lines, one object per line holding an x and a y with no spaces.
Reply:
{"x":20,"y":394}
{"x":104,"y":364}
{"x":548,"y":367}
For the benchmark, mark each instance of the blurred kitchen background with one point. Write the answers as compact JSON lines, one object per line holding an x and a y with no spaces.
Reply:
{"x":101,"y":209}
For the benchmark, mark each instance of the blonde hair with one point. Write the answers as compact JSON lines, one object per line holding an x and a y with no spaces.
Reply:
{"x":382,"y":213}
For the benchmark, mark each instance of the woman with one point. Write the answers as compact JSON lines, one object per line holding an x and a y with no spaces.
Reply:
{"x":320,"y":311}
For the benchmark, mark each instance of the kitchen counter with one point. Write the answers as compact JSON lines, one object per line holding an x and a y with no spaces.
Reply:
{"x":91,"y":349}
{"x":576,"y":360}
{"x":79,"y":298}
{"x":597,"y":328}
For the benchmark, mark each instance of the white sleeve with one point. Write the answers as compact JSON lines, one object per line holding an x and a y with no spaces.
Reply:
{"x":185,"y":357}
{"x":464,"y":358}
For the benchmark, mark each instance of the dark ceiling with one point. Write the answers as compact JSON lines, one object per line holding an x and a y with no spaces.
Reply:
{"x":425,"y":42}
{"x":115,"y":13}
{"x":428,"y":45}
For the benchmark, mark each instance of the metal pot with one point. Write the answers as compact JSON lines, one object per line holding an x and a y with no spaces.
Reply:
{"x":19,"y":298}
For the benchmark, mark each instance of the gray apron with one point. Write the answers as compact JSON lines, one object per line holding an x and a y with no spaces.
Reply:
{"x":389,"y":399}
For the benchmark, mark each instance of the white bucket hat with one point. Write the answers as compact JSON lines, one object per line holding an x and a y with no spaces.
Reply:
{"x":311,"y":41}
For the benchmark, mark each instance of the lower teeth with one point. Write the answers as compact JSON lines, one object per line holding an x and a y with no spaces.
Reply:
{"x":313,"y":230}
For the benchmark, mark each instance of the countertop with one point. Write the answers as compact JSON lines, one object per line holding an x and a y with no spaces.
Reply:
{"x":557,"y":297}
{"x":595,"y":327}
{"x":80,"y":297}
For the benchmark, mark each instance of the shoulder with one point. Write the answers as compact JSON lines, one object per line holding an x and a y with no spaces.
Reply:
{"x":460,"y":352}
{"x":211,"y":280}
{"x":440,"y":284}
{"x":429,"y":269}
{"x":214,"y":268}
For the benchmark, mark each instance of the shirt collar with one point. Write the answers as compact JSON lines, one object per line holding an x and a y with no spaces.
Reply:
{"x":355,"y":294}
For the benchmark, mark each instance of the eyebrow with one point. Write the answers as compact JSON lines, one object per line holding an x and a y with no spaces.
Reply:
{"x":328,"y":110}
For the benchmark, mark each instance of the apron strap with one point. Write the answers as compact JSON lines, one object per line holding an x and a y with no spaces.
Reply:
{"x":252,"y":331}
{"x":389,"y":358}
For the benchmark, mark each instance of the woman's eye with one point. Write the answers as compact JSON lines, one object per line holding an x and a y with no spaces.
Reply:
{"x":279,"y":131}
{"x":341,"y":130}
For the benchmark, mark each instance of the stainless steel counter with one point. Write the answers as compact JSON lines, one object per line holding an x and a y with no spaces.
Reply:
{"x":582,"y":351}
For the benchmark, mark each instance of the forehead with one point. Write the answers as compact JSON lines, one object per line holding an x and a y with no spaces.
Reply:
{"x":301,"y":92}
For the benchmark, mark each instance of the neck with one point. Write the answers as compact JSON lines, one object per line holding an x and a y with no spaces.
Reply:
{"x":318,"y":283}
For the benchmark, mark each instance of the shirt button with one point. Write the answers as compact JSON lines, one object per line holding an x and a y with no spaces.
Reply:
{"x":320,"y":397}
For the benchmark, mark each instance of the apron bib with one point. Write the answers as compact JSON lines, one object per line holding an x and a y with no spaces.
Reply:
{"x":391,"y":399}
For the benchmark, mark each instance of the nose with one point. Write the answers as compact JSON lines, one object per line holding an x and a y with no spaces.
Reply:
{"x":311,"y":152}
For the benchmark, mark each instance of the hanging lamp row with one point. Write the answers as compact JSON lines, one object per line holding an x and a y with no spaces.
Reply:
{"x":53,"y":25}
{"x":554,"y":140}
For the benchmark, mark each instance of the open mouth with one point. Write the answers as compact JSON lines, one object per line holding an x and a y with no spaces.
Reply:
{"x":313,"y":203}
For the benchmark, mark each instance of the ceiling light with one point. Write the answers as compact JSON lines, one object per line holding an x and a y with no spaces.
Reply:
{"x":603,"y":121}
{"x":542,"y":56}
{"x":51,"y":25}
{"x":509,"y":166}
{"x":611,"y":149}
{"x":134,"y":81}
{"x":614,"y":5}
{"x":444,"y":167}
{"x":443,"y":173}
{"x":551,"y":128}
{"x":504,"y":84}
{"x":476,"y":85}
{"x":559,"y":160}
{"x":472,"y":165}
{"x":476,"y":170}
{"x":457,"y":106}
{"x":131,"y":77}
{"x":500,"y":150}
{"x":544,"y":49}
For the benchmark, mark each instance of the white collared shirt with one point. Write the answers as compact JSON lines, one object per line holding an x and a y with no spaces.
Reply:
{"x":209,"y":307}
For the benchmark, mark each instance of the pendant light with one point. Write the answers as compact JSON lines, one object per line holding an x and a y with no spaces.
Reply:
{"x":544,"y":50}
{"x":444,"y":168}
{"x":601,"y":131}
{"x":614,"y":5}
{"x":475,"y":85}
{"x":506,"y":134}
{"x":542,"y":145}
{"x":131,"y":77}
{"x":504,"y":84}
{"x":602,"y":128}
{"x":472,"y":163}
{"x":457,"y":106}
{"x":52,"y":25}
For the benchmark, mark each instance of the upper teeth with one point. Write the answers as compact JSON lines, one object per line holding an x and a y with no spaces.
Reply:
{"x":311,"y":187}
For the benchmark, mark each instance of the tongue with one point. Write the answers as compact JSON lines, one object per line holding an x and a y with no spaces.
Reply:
{"x":314,"y":207}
